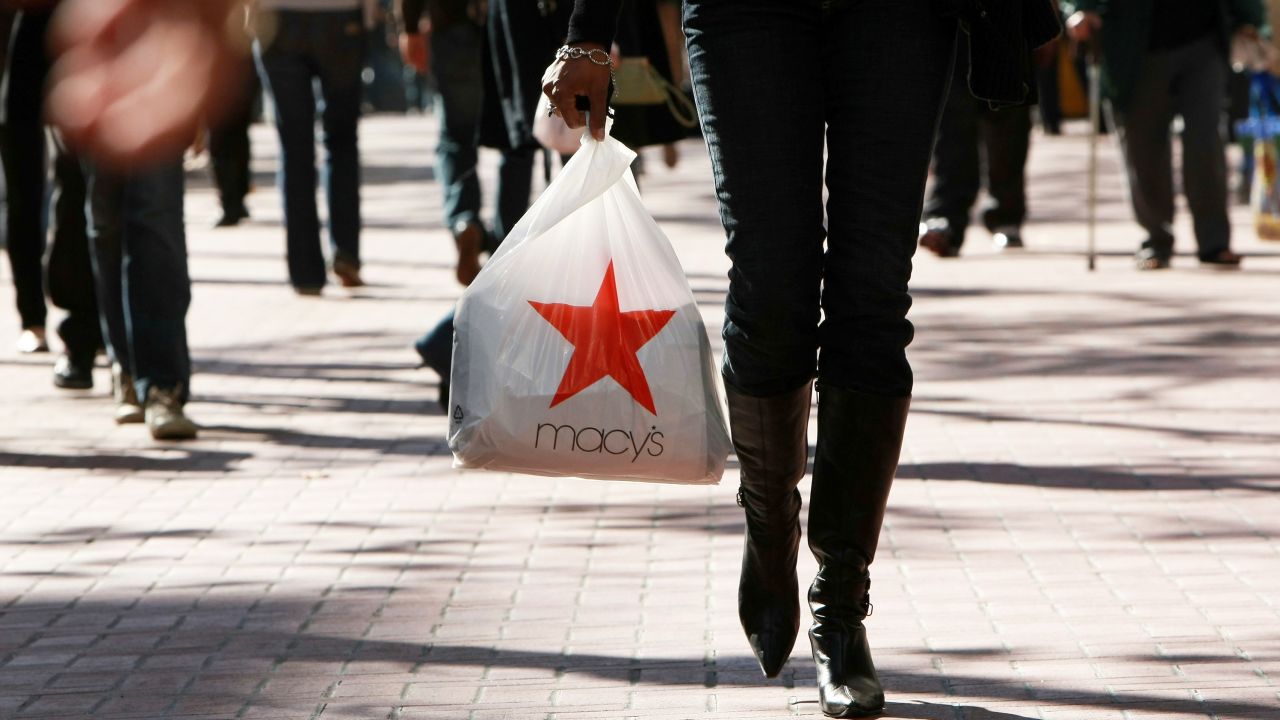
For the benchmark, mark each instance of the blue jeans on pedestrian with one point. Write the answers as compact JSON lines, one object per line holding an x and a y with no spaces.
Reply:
{"x":775,"y":80}
{"x":140,"y":265}
{"x":327,"y":47}
{"x":456,"y":63}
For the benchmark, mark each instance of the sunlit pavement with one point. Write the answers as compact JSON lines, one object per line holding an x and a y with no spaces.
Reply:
{"x":1084,"y":525}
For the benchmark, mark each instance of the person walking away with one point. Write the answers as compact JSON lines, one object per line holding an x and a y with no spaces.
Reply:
{"x":301,"y":42}
{"x":487,"y":68}
{"x":974,"y":137}
{"x":777,"y":83}
{"x":230,"y":153}
{"x":1161,"y":59}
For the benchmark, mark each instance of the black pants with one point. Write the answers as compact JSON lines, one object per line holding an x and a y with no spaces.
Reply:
{"x":775,"y":80}
{"x":1190,"y":81}
{"x":25,"y":151}
{"x":229,"y":151}
{"x":971,"y":133}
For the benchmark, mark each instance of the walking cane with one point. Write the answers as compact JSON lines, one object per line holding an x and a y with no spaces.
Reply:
{"x":1094,"y":72}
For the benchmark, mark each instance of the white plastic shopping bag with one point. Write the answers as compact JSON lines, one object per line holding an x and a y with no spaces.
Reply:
{"x":552,"y":133}
{"x":579,"y":349}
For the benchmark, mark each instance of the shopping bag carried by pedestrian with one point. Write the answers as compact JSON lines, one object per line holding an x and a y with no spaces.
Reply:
{"x":1262,"y":130}
{"x":579,"y":349}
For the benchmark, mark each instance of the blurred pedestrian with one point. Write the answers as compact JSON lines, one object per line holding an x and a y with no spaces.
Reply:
{"x":230,"y":152}
{"x":487,"y":67}
{"x":316,"y":42}
{"x":974,"y":140}
{"x":792,"y":95}
{"x":1161,"y":59}
{"x":66,"y":273}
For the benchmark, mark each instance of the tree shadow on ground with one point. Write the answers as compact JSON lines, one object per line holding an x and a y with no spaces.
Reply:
{"x":238,"y":651}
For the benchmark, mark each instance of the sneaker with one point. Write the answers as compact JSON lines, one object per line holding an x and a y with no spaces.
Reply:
{"x":308,"y":290}
{"x":937,"y":237}
{"x":128,"y":409}
{"x":32,"y":340}
{"x":73,"y":373}
{"x":165,"y":418}
{"x":348,"y":273}
{"x":1007,"y":238}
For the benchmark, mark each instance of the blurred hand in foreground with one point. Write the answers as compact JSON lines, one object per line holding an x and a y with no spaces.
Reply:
{"x":134,"y":79}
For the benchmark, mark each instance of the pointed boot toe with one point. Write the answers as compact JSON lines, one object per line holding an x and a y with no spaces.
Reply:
{"x":772,"y":649}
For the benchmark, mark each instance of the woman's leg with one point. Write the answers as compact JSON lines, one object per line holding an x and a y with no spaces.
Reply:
{"x":339,"y":64}
{"x":286,"y":75}
{"x":759,"y":95}
{"x":886,"y":66}
{"x":24,"y":164}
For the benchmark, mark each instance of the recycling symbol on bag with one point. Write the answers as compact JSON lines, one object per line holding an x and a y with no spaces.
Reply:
{"x":605,"y":341}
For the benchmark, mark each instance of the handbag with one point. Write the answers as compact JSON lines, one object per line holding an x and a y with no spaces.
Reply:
{"x":638,"y":82}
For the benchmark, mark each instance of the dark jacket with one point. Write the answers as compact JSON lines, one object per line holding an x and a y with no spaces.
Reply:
{"x":1002,"y":35}
{"x":1126,"y":35}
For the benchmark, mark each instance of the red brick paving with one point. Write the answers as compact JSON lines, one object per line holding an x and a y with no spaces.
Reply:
{"x":1084,"y":526}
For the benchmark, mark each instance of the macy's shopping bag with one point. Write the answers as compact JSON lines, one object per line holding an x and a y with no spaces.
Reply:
{"x":579,"y":349}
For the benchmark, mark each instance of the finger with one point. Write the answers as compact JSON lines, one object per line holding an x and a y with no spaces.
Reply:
{"x":564,"y":102}
{"x":598,"y":112}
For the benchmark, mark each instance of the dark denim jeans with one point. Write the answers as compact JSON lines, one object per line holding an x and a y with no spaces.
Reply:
{"x":328,"y":47}
{"x":515,"y":178}
{"x":140,"y":260}
{"x":456,"y":54}
{"x":774,"y":80}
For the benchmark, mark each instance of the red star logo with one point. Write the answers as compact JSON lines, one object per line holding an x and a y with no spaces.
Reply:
{"x":605,"y":341}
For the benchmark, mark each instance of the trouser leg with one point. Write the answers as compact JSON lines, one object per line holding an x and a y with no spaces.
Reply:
{"x":286,"y":73}
{"x":457,"y":53}
{"x":25,"y":163}
{"x":70,"y":269}
{"x":1143,"y":126}
{"x":767,"y":163}
{"x":1006,"y":135}
{"x":515,"y":182}
{"x":1198,"y":98}
{"x":340,"y":63}
{"x":956,"y":162}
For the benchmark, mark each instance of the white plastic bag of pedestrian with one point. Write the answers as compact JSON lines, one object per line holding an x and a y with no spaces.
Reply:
{"x":552,"y":133}
{"x":579,"y":349}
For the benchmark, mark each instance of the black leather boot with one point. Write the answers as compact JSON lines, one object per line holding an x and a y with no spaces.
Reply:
{"x":770,"y":436}
{"x":859,"y":441}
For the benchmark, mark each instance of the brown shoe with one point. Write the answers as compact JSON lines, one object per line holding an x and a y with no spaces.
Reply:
{"x":470,"y":241}
{"x":348,"y":273}
{"x":937,"y":237}
{"x":1224,"y":260}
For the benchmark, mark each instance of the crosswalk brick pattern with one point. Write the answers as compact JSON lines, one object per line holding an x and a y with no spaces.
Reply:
{"x":1084,"y":525}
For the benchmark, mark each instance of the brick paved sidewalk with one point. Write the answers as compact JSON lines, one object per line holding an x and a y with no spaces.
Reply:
{"x":1085,"y":523}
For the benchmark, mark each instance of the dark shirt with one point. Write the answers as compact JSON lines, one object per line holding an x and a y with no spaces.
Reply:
{"x":1175,"y":23}
{"x":594,"y":21}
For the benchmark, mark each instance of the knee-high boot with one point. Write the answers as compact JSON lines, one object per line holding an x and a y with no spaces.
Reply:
{"x":770,"y":437}
{"x":859,"y":441}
